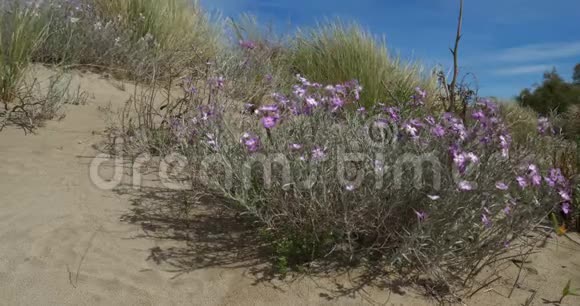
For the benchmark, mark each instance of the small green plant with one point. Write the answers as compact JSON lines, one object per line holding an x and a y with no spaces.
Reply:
{"x":567,"y":291}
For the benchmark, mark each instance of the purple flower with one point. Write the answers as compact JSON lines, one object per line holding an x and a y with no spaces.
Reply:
{"x":536,"y":180}
{"x":556,"y":178}
{"x":566,"y":208}
{"x":280,"y":98}
{"x":303,"y":80}
{"x":565,"y":195}
{"x":507,"y":209}
{"x":310,"y":101}
{"x":533,"y":169}
{"x":269,"y":122}
{"x":336,"y":103}
{"x":218,"y":82}
{"x":459,"y":129}
{"x":543,"y":125}
{"x":361,"y":110}
{"x":501,"y":186}
{"x":251,"y":142}
{"x":211,"y":140}
{"x":472,"y":157}
{"x":438,"y":131}
{"x":421,"y":215}
{"x":411,"y":130}
{"x":318,"y":153}
{"x":460,"y":162}
{"x":379,"y":166}
{"x":393,"y":113}
{"x":340,"y":89}
{"x":419,"y":97}
{"x":247,"y":44}
{"x":522,"y":181}
{"x":485,"y":220}
{"x":299,"y":91}
{"x":465,"y":186}
{"x":478,"y":115}
{"x":422,"y":94}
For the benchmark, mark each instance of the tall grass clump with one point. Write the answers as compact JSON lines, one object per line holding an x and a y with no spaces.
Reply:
{"x":522,"y":121}
{"x":22,"y":29}
{"x":126,"y":37}
{"x":382,"y":187}
{"x":174,"y":24}
{"x":335,"y":52}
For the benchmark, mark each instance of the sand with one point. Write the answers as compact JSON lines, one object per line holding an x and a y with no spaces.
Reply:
{"x":63,"y":241}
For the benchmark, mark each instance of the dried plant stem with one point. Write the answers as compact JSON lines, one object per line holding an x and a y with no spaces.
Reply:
{"x":455,"y":53}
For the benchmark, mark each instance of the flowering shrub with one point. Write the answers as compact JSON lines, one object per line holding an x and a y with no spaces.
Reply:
{"x":398,"y":186}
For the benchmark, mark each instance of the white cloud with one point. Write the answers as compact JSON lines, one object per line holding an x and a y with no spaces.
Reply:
{"x":536,"y":52}
{"x":519,"y":70}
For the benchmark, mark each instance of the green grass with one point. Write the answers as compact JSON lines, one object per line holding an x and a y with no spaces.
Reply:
{"x":336,"y":52}
{"x":21,"y":30}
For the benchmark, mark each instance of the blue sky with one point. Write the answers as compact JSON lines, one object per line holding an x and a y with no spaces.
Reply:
{"x":507,"y":44}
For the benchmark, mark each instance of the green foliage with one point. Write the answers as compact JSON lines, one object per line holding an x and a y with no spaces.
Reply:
{"x":22,"y":29}
{"x":336,"y":52}
{"x":554,"y":94}
{"x":576,"y":75}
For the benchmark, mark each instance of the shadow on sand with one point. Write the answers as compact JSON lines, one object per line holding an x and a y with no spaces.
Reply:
{"x":198,"y":232}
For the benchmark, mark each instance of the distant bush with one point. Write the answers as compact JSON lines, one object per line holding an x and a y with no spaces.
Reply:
{"x":335,"y":52}
{"x":553,"y":95}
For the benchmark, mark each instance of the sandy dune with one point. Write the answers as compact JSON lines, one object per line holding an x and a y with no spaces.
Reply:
{"x":63,"y":241}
